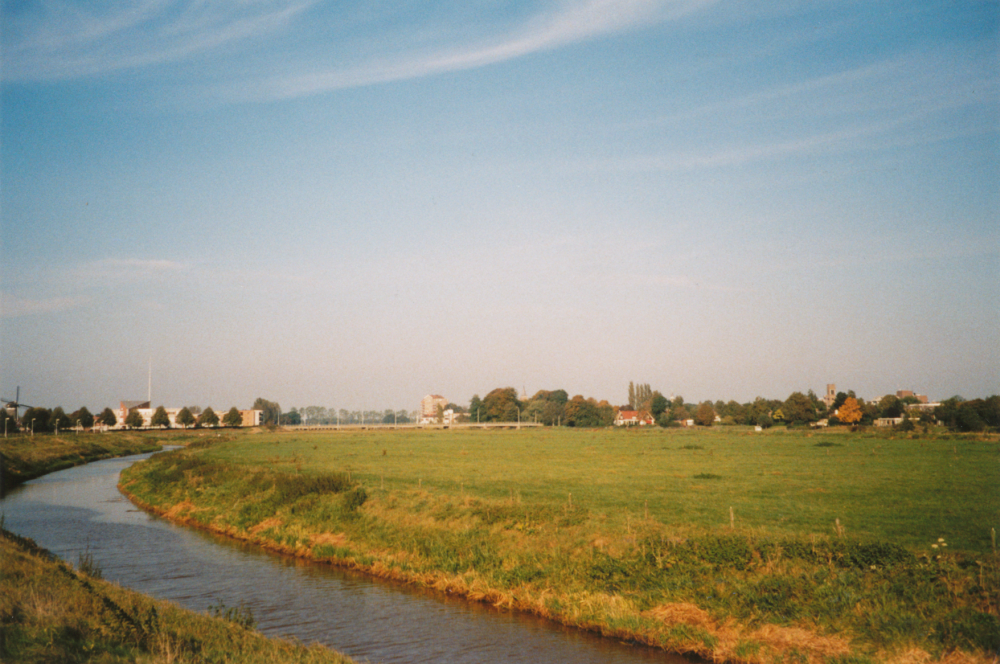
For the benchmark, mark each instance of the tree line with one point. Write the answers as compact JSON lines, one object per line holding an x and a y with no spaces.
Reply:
{"x":556,"y":408}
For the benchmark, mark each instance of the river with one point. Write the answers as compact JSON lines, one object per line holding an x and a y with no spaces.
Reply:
{"x":80,"y":510}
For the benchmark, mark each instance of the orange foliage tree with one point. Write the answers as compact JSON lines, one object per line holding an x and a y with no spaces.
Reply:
{"x":850,"y":412}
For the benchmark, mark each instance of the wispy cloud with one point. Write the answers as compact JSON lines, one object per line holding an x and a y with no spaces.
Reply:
{"x":123,"y":270}
{"x":12,"y":306}
{"x":559,"y":25}
{"x":894,"y":103}
{"x":62,"y":39}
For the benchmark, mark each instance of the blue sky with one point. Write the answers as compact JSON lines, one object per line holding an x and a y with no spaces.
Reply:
{"x":356,"y":204}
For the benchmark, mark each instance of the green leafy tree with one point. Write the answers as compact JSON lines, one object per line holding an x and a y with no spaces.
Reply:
{"x":83,"y":417}
{"x":658,"y":404}
{"x":208,"y":418}
{"x":233,"y":418}
{"x":475,"y":409}
{"x":292,"y":417}
{"x":107,"y":418}
{"x":160,"y":418}
{"x":60,"y":420}
{"x":37,"y":420}
{"x":891,"y":406}
{"x":705,"y":415}
{"x":134,"y":419}
{"x":185,"y":417}
{"x":500,"y":405}
{"x":271,"y":410}
{"x":799,"y":409}
{"x":9,"y":423}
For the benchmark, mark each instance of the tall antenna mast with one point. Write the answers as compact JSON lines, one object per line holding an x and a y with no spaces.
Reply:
{"x":149,"y":393}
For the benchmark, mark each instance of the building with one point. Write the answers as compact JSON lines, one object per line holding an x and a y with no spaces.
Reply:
{"x":831,"y":395}
{"x":429,"y":407}
{"x":902,"y":394}
{"x":251,"y":418}
{"x":626,"y":418}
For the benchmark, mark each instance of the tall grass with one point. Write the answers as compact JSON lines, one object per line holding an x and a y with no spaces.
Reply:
{"x":49,"y":613}
{"x":761,"y":536}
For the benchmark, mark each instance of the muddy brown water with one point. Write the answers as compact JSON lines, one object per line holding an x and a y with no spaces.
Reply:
{"x":79,"y":511}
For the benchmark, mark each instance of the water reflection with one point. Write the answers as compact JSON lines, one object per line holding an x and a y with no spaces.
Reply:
{"x":80,"y":510}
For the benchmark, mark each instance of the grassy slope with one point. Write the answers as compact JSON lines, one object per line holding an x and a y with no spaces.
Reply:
{"x":629,"y":532}
{"x":50,"y":613}
{"x":23,"y":457}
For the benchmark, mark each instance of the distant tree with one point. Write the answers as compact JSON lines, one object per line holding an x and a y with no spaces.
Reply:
{"x":658,"y":404}
{"x":185,"y":417}
{"x":292,"y":417}
{"x":36,"y":419}
{"x":134,"y":419}
{"x":581,"y":412}
{"x":271,"y":410}
{"x":160,"y":418}
{"x":764,"y":421}
{"x":208,"y":418}
{"x":799,"y":409}
{"x":60,"y":420}
{"x":705,"y":416}
{"x":84,"y":418}
{"x":234,"y":418}
{"x":680,"y":414}
{"x":107,"y":418}
{"x":500,"y":405}
{"x":9,"y":423}
{"x":631,"y":396}
{"x":850,"y":412}
{"x":891,"y":406}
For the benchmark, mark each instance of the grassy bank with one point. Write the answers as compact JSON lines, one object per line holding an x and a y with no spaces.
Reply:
{"x":51,"y":613}
{"x":782,"y":546}
{"x":25,"y":457}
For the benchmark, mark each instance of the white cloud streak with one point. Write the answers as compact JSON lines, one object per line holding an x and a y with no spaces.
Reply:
{"x":12,"y":306}
{"x":60,"y":40}
{"x":567,"y":23}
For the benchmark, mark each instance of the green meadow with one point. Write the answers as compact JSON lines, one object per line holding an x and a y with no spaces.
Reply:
{"x":726,"y":543}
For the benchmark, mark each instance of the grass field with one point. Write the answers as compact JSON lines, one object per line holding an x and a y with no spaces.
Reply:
{"x":735,"y":545}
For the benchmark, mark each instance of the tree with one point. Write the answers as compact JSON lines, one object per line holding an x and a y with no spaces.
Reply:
{"x":107,"y":418}
{"x":658,"y":404}
{"x":500,"y":405}
{"x":37,"y":420}
{"x":705,"y":416}
{"x":60,"y":420}
{"x":134,"y":419}
{"x":850,"y":412}
{"x":475,"y":406}
{"x":799,"y":409}
{"x":272,"y":411}
{"x":292,"y":417}
{"x":9,"y":423}
{"x":233,"y":418}
{"x":890,"y":406}
{"x":631,"y":396}
{"x":84,"y":418}
{"x":208,"y":418}
{"x":160,"y":418}
{"x":185,"y":417}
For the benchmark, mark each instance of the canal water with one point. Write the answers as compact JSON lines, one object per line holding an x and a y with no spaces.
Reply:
{"x":80,"y":511}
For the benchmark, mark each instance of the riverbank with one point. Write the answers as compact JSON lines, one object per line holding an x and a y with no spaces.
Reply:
{"x":25,"y":457}
{"x":50,"y":612}
{"x":818,"y":559}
